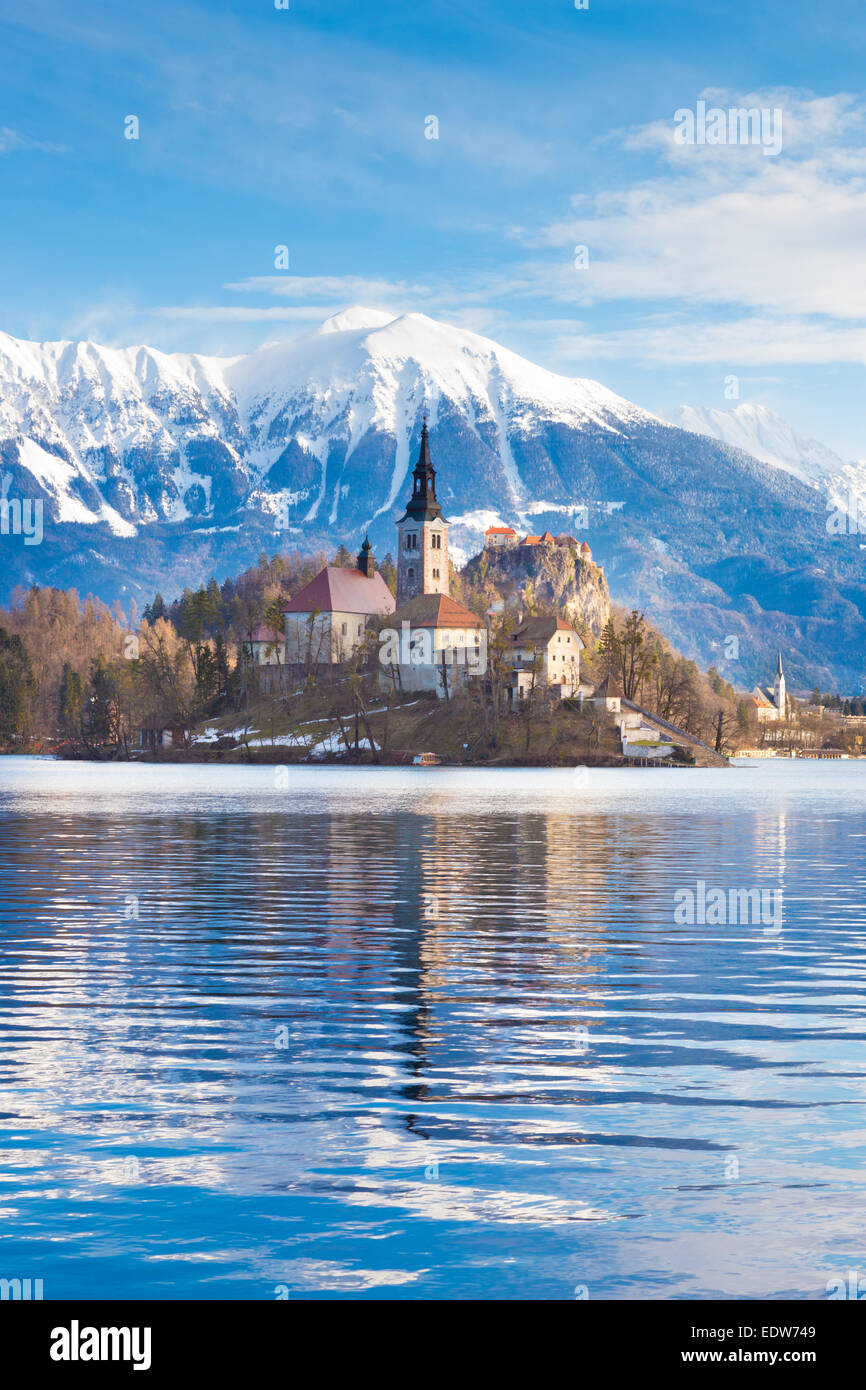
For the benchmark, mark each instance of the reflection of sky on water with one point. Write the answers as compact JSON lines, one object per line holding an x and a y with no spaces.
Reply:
{"x":507,"y":1070}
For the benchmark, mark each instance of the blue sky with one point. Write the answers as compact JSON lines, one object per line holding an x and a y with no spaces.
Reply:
{"x":305,"y":127}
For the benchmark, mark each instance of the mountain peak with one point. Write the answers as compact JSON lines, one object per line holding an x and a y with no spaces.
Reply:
{"x":355,"y":318}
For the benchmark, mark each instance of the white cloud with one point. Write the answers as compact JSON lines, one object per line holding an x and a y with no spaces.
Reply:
{"x":755,"y":341}
{"x":764,"y":259}
{"x":338,"y":289}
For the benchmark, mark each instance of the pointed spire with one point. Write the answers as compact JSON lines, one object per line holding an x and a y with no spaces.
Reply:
{"x":366,"y":563}
{"x":424,"y":460}
{"x":779,"y":664}
{"x":423,"y":501}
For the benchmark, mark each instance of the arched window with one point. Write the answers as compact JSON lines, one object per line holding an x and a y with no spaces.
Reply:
{"x":410,"y":573}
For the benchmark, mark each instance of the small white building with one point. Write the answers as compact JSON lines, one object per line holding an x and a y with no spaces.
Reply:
{"x":640,"y":733}
{"x":608,"y":695}
{"x":265,"y":647}
{"x":432,"y":643}
{"x":545,"y":651}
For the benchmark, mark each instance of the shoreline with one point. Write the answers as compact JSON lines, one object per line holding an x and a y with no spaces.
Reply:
{"x":276,"y":757}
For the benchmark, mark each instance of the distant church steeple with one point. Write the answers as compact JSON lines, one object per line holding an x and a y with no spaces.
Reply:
{"x":422,"y":556}
{"x":779,"y":686}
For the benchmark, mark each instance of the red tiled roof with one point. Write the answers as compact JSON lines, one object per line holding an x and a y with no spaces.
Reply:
{"x":584,"y":548}
{"x":337,"y":590}
{"x":547,"y":539}
{"x":265,"y":634}
{"x":436,"y":610}
{"x":530,"y":540}
{"x":499,"y":531}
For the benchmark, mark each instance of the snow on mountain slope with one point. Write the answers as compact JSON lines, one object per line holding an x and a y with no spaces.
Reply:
{"x":764,"y":435}
{"x":158,"y":470}
{"x":162,"y":436}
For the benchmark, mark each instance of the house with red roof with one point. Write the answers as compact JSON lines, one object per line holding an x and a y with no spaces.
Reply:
{"x":325,"y":622}
{"x":434,"y":643}
{"x":499,"y":537}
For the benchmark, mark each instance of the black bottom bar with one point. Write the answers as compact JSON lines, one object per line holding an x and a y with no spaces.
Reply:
{"x":84,"y":1339}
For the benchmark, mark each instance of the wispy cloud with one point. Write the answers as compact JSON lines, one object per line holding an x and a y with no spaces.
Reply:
{"x":12,"y":140}
{"x":755,"y":341}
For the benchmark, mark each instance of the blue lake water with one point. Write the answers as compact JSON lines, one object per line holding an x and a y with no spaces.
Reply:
{"x":430,"y":1033}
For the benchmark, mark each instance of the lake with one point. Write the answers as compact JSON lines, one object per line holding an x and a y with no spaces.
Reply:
{"x":432,"y":1033}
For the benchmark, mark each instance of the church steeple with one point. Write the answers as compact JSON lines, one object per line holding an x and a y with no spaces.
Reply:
{"x":779,"y":693}
{"x":423,"y":503}
{"x":422,"y":555}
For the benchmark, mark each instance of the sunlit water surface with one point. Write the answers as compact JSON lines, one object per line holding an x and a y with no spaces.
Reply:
{"x":429,"y":1033}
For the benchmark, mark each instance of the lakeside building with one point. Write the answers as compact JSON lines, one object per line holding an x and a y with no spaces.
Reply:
{"x":436,"y":642}
{"x":643,"y":734}
{"x":771,"y":701}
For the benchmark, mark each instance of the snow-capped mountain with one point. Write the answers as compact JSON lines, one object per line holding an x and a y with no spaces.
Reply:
{"x":157,"y":470}
{"x":766,"y":436}
{"x":133,"y":436}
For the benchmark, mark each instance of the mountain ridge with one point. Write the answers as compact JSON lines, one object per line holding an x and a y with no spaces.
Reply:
{"x":157,"y":470}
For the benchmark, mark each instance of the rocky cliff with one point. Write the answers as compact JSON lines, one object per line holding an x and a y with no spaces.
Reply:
{"x":538,"y":579}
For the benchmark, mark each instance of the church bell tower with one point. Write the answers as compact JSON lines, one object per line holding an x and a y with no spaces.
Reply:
{"x":422,"y":557}
{"x":779,"y":687}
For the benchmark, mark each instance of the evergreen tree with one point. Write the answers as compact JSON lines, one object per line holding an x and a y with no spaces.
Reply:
{"x":154,"y":610}
{"x":100,"y":718}
{"x":17,"y":687}
{"x":71,"y":701}
{"x":388,"y":571}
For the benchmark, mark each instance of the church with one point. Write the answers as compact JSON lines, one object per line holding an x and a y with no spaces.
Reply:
{"x":422,"y":555}
{"x":440,"y":642}
{"x":771,"y":701}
